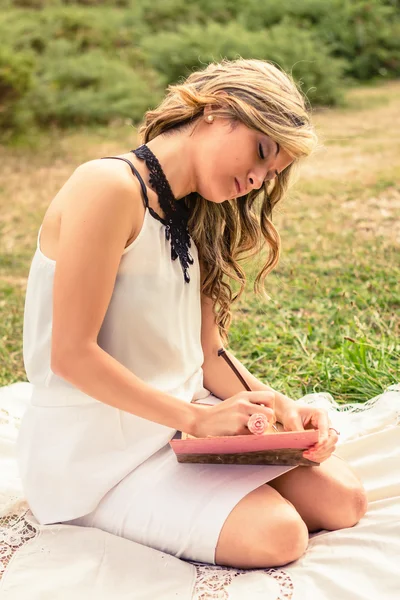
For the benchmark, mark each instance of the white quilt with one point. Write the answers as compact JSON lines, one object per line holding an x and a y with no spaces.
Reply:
{"x":61,"y":562}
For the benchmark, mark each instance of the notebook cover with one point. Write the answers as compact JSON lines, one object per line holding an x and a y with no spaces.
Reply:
{"x":283,"y":448}
{"x":244,"y":443}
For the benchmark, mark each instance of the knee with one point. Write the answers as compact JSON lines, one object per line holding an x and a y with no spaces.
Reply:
{"x":291,"y":540}
{"x":359,"y":503}
{"x":354,"y":506}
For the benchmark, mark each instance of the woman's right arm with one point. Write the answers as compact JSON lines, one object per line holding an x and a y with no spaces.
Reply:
{"x":102,"y":209}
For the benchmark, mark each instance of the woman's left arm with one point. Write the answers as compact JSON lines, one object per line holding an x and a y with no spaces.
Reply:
{"x":219,"y":378}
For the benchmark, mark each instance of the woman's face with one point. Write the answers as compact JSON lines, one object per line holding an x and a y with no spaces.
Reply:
{"x":229,"y":156}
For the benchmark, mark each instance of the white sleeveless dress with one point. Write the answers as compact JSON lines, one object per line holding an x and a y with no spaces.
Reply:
{"x":87,"y":463}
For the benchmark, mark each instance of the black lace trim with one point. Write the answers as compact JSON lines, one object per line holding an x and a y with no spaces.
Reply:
{"x":176,"y":213}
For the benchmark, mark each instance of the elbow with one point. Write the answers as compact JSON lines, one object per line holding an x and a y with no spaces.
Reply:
{"x":56,"y":362}
{"x":64,"y":362}
{"x":59,"y":366}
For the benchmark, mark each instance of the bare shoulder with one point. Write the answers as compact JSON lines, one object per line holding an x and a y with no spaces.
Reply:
{"x":114,"y":174}
{"x":116,"y":177}
{"x":107,"y":184}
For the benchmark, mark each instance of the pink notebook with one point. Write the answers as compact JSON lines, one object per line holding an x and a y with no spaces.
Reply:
{"x":278,"y":448}
{"x":271,"y":448}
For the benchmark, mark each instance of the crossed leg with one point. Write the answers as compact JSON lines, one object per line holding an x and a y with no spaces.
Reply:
{"x":330,"y":496}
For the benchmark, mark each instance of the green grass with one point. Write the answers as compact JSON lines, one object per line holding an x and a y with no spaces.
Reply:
{"x":326,"y":328}
{"x":332,"y":322}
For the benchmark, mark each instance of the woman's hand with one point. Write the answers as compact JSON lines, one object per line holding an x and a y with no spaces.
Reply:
{"x":230,"y":417}
{"x":300,"y":418}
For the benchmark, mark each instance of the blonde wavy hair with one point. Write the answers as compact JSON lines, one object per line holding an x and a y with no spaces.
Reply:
{"x":262,"y":97}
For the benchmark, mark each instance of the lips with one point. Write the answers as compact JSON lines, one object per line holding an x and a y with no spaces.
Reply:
{"x":237,"y":185}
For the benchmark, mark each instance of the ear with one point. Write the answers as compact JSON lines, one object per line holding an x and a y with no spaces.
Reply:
{"x":208,"y":110}
{"x":211,"y":108}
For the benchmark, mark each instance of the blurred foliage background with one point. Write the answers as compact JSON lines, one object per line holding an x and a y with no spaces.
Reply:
{"x":66,"y":63}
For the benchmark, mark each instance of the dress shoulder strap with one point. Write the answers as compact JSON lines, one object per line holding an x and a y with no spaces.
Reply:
{"x":138,"y":175}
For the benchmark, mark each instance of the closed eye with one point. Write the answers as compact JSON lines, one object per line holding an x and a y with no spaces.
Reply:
{"x":261,"y":151}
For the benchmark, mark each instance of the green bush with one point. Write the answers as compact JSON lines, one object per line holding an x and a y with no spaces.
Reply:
{"x":44,"y":4}
{"x":367,"y":34}
{"x":364,"y":32}
{"x":16,"y":78}
{"x":295,"y":50}
{"x":90,"y":88}
{"x":87,"y":28}
{"x":88,"y":66}
{"x":24,"y":31}
{"x":69,"y":62}
{"x":166,"y":14}
{"x":256,"y":15}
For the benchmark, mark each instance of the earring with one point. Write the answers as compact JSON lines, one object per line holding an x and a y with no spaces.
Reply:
{"x":210,"y":118}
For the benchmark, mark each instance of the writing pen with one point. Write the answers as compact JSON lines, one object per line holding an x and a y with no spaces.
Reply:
{"x":222,"y":352}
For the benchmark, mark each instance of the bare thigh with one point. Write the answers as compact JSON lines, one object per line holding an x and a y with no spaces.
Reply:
{"x":263,"y":530}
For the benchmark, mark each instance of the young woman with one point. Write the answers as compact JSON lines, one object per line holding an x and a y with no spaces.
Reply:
{"x":127,"y":304}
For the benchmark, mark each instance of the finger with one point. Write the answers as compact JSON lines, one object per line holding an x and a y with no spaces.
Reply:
{"x":293,"y":422}
{"x":328,"y":446}
{"x":318,"y":446}
{"x":319,"y":456}
{"x":321,"y":420}
{"x":331,"y":441}
{"x":265,"y":398}
{"x":255,"y":407}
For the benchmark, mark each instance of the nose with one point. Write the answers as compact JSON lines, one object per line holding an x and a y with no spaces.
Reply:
{"x":256,"y":179}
